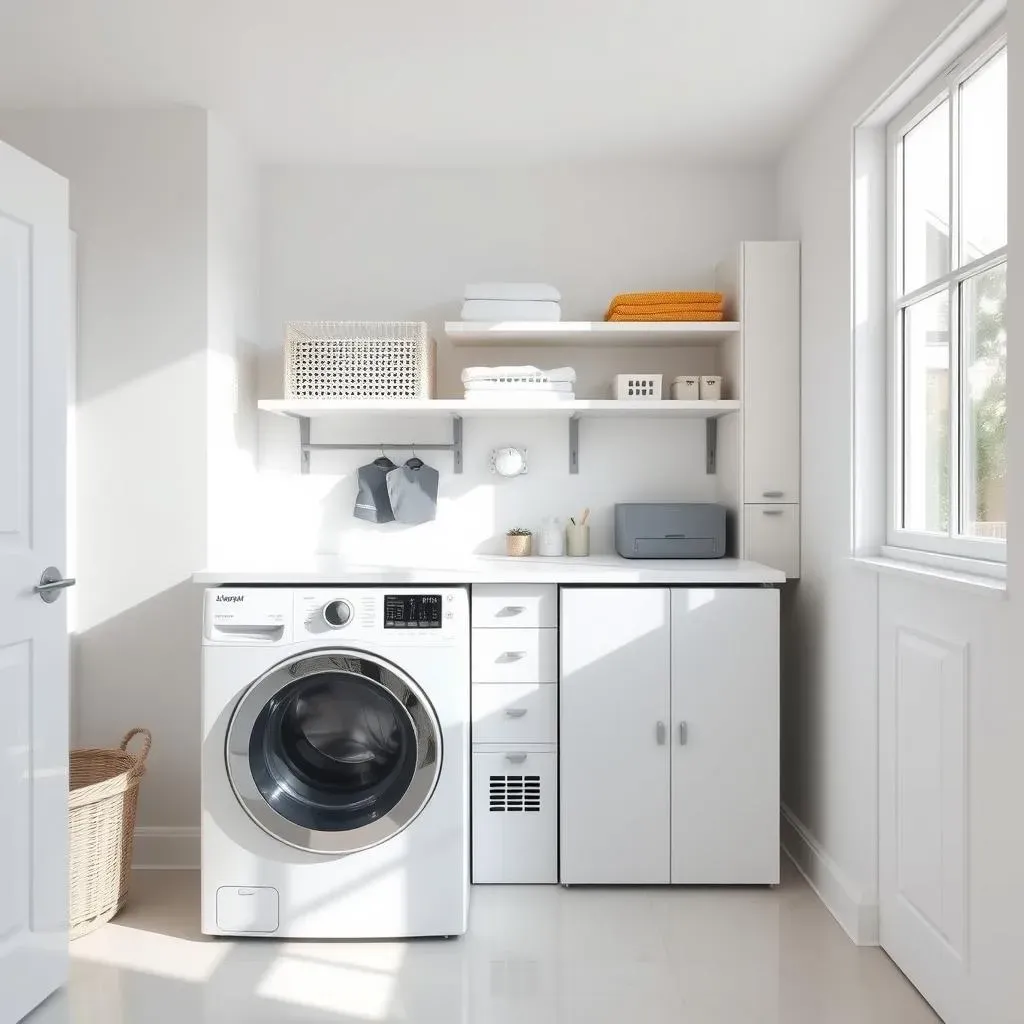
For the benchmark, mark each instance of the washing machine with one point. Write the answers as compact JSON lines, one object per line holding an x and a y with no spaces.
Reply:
{"x":335,"y":762}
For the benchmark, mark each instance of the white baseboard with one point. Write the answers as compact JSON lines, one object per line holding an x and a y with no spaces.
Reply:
{"x":159,"y":847}
{"x":856,"y":913}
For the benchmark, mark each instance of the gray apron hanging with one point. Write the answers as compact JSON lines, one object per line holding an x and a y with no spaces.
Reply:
{"x":413,"y":492}
{"x":372,"y":501}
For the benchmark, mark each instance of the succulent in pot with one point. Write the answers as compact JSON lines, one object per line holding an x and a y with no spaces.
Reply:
{"x":518,"y":542}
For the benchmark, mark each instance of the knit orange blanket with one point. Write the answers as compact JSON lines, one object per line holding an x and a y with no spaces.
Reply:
{"x":662,"y":298}
{"x":655,"y":314}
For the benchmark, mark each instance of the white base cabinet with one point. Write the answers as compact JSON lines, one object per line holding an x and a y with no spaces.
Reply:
{"x":669,"y":736}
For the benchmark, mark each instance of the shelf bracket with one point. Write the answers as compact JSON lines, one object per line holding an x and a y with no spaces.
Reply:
{"x":711,"y":445}
{"x":306,"y":446}
{"x":574,"y":444}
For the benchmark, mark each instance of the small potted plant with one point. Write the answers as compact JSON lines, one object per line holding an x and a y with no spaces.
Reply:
{"x":518,"y":542}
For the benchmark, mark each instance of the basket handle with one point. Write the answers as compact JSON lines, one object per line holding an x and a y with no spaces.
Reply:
{"x":147,"y":742}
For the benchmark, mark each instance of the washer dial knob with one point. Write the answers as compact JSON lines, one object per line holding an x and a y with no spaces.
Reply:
{"x":337,"y":614}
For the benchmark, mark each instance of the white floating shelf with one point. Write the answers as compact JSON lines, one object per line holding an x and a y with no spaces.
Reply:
{"x":319,"y":408}
{"x":589,"y":334}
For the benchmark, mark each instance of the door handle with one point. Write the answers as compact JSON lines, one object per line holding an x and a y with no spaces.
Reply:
{"x":515,"y":712}
{"x":772,"y":494}
{"x":515,"y":758}
{"x":51,"y":583}
{"x":682,"y":734}
{"x":660,"y":733}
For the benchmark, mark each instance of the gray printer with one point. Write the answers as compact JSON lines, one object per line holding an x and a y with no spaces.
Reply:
{"x":668,"y":530}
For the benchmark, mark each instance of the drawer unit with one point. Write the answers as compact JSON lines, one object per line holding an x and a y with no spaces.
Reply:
{"x":772,"y":536}
{"x":515,"y":606}
{"x":515,"y":656}
{"x":515,"y":816}
{"x":515,"y":713}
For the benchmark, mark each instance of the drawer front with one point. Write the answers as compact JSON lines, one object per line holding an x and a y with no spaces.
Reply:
{"x":772,"y":537}
{"x":504,"y":606}
{"x":515,"y":713}
{"x":515,"y":655}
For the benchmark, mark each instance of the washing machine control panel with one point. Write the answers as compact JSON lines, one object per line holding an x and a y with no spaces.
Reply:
{"x":412,"y":611}
{"x":400,"y":615}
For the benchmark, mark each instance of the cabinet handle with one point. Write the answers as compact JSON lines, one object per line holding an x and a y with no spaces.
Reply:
{"x":772,"y":494}
{"x":771,"y":511}
{"x":512,"y":609}
{"x":512,"y":656}
{"x":660,"y":733}
{"x":515,"y":758}
{"x":515,"y":712}
{"x":682,"y":734}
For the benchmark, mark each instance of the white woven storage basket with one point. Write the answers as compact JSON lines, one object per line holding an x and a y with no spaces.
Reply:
{"x":644,"y":386}
{"x":359,"y":359}
{"x":104,"y":794}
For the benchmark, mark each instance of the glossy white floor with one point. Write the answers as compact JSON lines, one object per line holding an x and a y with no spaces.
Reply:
{"x":533,"y":954}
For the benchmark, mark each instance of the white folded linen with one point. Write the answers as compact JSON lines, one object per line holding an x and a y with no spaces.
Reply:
{"x":541,"y":386}
{"x":519,"y":397}
{"x":563,"y":374}
{"x":509,"y":291}
{"x":493,"y":309}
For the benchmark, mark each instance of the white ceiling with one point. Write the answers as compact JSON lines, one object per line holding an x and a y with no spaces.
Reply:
{"x":448,"y":81}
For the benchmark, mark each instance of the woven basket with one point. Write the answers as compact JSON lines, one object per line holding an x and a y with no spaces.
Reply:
{"x":101,"y":809}
{"x":359,"y":359}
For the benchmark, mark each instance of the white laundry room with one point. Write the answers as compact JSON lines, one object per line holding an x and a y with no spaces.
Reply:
{"x":504,"y":512}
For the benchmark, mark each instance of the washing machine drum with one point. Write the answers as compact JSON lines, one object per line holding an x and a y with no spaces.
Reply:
{"x":334,"y":753}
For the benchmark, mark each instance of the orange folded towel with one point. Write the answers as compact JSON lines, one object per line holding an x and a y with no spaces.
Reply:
{"x":662,"y":299}
{"x":704,"y":316}
{"x":669,"y":307}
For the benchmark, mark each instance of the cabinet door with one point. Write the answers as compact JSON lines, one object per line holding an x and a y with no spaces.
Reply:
{"x":771,"y":536}
{"x":725,"y":736}
{"x":771,"y":371}
{"x":613,"y":736}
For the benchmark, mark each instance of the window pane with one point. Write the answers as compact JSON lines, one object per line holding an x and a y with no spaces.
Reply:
{"x":983,"y":160}
{"x":926,"y":200}
{"x":926,"y":415}
{"x":983,"y":303}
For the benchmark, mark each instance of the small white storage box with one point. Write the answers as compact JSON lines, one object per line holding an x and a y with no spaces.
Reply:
{"x":359,"y":359}
{"x":515,"y":816}
{"x":711,"y":389}
{"x":686,"y":389}
{"x":633,"y":386}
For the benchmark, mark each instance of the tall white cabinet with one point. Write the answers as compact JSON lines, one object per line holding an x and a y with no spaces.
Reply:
{"x":669,"y":739}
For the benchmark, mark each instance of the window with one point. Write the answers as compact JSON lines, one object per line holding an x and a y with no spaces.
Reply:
{"x":947,"y":274}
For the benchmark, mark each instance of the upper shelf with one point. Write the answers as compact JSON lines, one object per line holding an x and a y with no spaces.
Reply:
{"x":589,"y":334}
{"x":313,"y":408}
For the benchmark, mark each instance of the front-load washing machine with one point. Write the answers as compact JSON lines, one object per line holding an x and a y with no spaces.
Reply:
{"x":335,"y":762}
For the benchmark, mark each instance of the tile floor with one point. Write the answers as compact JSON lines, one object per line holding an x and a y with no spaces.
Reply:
{"x":533,"y":954}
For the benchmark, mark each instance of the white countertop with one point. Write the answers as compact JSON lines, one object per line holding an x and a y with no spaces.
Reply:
{"x":595,"y":569}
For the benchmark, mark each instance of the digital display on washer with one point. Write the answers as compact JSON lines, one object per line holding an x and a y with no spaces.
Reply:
{"x":412,"y":611}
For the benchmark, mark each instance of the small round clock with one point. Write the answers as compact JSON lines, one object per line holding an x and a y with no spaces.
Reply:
{"x":508,"y":461}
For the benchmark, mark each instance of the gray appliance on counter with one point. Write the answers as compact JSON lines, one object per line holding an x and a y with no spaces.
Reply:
{"x":670,"y":530}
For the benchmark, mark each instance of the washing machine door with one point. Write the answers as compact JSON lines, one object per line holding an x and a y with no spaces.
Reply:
{"x":334,"y":752}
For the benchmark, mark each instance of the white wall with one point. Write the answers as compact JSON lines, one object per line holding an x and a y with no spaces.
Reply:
{"x":138,"y":205}
{"x":401,"y":244}
{"x":830,"y":775}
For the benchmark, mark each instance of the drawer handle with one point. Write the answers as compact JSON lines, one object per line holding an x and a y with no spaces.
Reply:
{"x":515,"y":758}
{"x":512,"y":609}
{"x":772,"y":494}
{"x":660,"y":733}
{"x":771,"y":511}
{"x":515,"y":712}
{"x":512,"y":656}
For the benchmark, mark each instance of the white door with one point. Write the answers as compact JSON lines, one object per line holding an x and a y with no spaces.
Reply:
{"x":725,"y":736}
{"x":613,"y":736}
{"x":34,"y":333}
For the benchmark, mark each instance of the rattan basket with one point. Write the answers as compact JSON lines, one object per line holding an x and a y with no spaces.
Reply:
{"x":101,"y":811}
{"x":359,"y":359}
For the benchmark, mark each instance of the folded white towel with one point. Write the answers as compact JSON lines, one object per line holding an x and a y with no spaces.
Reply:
{"x":513,"y":292}
{"x":523,"y":310}
{"x":561,"y":374}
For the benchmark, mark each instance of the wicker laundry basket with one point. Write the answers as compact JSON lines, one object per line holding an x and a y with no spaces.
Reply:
{"x":101,"y":811}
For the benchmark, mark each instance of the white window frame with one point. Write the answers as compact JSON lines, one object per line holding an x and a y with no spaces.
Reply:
{"x":921,"y":544}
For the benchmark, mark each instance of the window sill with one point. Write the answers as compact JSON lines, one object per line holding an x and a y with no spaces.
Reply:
{"x":975,"y":583}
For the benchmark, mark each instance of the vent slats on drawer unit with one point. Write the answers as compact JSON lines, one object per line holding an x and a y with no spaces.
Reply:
{"x":514,"y":793}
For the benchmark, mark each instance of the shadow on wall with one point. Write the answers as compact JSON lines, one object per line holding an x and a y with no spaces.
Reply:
{"x":142,"y":668}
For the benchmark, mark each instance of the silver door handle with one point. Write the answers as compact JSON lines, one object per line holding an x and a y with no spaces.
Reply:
{"x":771,"y":511}
{"x":660,"y":733}
{"x":515,"y":758}
{"x":515,"y":712}
{"x":513,"y":656}
{"x":682,"y":734}
{"x":512,"y":609}
{"x":51,"y":583}
{"x":772,"y":494}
